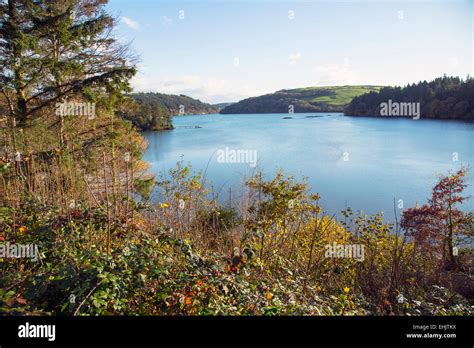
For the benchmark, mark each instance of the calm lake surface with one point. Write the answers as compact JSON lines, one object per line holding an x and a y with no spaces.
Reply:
{"x":358,"y":162}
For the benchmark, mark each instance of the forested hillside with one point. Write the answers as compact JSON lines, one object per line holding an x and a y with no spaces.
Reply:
{"x":145,"y":113}
{"x":155,"y":111}
{"x":310,"y":99}
{"x":444,"y":97}
{"x":176,"y":104}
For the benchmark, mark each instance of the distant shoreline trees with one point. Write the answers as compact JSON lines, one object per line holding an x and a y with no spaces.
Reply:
{"x":145,"y":114}
{"x":155,"y":111}
{"x":175,"y":104}
{"x":443,"y":98}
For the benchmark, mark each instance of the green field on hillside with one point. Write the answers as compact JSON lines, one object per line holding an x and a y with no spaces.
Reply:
{"x":337,"y":95}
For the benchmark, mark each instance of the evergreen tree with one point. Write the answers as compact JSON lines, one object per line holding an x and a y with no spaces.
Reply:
{"x":59,"y":48}
{"x":444,"y":97}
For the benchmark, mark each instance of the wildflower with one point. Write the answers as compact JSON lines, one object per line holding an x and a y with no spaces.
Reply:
{"x":164,"y":205}
{"x":22,"y":229}
{"x":195,"y":185}
{"x":346,"y":290}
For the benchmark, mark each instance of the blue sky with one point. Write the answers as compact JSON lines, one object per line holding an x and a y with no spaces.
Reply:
{"x":224,"y":51}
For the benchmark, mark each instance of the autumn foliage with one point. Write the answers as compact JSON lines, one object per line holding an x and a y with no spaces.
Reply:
{"x":435,"y":225}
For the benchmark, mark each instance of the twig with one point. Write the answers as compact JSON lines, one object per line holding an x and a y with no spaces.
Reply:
{"x":85,"y":299}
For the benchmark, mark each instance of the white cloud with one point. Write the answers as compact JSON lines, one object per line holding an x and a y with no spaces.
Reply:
{"x":294,"y":58}
{"x":130,"y":23}
{"x":334,"y":74}
{"x":210,"y":90}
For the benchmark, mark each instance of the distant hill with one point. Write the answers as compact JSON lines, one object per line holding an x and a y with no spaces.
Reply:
{"x":177,"y":104}
{"x":220,"y":106}
{"x":444,"y":98}
{"x":145,"y":113}
{"x":310,"y":99}
{"x":155,"y":111}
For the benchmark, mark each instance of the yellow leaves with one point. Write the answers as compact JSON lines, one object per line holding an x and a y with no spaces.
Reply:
{"x":187,"y":300}
{"x":195,"y":185}
{"x":139,"y":223}
{"x":142,"y":166}
{"x":164,"y":205}
{"x":269,"y":296}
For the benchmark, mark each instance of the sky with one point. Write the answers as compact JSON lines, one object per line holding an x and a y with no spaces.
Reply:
{"x":225,"y":51}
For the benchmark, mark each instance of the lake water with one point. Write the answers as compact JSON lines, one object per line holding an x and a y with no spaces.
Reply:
{"x":358,"y":162}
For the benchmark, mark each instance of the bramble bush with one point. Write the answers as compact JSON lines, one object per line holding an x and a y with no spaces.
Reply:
{"x":274,"y":265}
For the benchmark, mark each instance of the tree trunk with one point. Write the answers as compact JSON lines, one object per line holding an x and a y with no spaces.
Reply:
{"x":21,"y":111}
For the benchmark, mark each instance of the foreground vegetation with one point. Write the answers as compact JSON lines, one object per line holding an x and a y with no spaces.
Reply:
{"x":190,"y":255}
